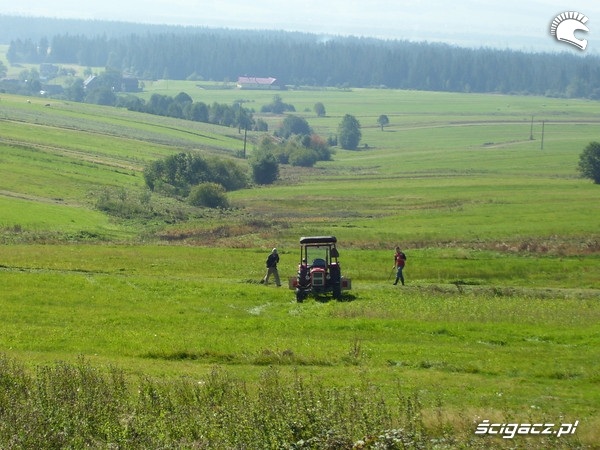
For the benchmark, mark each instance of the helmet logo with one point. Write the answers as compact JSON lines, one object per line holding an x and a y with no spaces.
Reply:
{"x":565,"y":25}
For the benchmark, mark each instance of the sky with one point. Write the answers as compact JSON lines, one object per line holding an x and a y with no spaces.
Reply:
{"x":516,"y":24}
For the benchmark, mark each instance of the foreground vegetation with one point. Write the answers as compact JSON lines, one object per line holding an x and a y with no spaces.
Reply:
{"x":76,"y":406}
{"x":166,"y":338}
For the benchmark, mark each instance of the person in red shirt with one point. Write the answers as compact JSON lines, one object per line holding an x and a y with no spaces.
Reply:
{"x":399,"y":263}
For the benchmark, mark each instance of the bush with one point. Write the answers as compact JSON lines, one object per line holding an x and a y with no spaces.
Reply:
{"x":589,"y":162}
{"x":303,"y":157}
{"x":265,"y":170}
{"x":125,"y":204}
{"x":321,"y":147}
{"x":294,"y":125}
{"x":349,"y":132}
{"x":265,"y":167}
{"x":176,"y":174}
{"x":277,"y":106}
{"x":227,"y":173}
{"x":210,"y":195}
{"x":80,"y":406}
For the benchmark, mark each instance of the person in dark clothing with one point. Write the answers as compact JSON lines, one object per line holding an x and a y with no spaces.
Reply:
{"x":399,"y":263}
{"x":272,"y":261}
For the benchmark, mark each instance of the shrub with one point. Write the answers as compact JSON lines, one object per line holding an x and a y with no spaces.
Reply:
{"x":265,"y":170}
{"x":81,"y":406}
{"x":319,"y":109}
{"x":277,"y":106}
{"x":176,"y":174}
{"x":304,"y":157}
{"x":265,"y":167}
{"x":227,"y":173}
{"x":294,"y":125}
{"x":589,"y":162}
{"x":210,"y":195}
{"x":125,"y":204}
{"x":349,"y":132}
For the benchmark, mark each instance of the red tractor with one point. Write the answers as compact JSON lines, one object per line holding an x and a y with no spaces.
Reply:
{"x":319,"y":270}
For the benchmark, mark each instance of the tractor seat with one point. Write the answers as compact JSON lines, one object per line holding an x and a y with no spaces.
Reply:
{"x":319,"y":262}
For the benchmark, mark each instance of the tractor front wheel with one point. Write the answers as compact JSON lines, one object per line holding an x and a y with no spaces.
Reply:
{"x":300,"y":295}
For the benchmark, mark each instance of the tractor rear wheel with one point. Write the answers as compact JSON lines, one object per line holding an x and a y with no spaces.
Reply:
{"x":337,"y":291}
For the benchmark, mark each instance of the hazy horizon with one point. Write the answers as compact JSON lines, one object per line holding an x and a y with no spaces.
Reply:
{"x":472,"y":23}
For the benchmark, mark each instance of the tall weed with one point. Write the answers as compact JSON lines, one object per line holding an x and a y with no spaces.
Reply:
{"x":80,"y":406}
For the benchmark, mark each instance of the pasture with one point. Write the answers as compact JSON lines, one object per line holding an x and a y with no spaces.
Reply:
{"x":499,"y":318}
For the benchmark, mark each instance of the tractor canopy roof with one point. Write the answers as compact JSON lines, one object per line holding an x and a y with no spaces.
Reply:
{"x":318,"y":240}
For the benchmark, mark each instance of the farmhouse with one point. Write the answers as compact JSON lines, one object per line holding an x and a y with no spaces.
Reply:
{"x":91,"y":82}
{"x":257,"y":83}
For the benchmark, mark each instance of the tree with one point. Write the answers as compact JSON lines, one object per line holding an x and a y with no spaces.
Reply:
{"x":74,"y":90}
{"x":261,"y":125}
{"x":176,"y":174}
{"x":182,"y":98}
{"x":265,"y":168}
{"x":589,"y":162}
{"x":227,"y":173}
{"x":319,"y":109}
{"x":243,"y":117}
{"x":101,"y":95}
{"x":158,"y":104}
{"x":277,"y":106}
{"x":31,"y":80}
{"x":349,"y":131}
{"x":383,"y":121}
{"x":197,"y":112}
{"x":321,"y":147}
{"x":294,"y":125}
{"x":131,"y":102}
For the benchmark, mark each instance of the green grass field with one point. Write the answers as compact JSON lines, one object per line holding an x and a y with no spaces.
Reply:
{"x":499,"y":319}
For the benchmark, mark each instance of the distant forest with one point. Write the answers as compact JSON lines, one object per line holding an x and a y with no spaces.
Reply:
{"x":302,"y":59}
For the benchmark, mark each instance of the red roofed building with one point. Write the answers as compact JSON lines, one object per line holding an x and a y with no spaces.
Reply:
{"x":257,"y":83}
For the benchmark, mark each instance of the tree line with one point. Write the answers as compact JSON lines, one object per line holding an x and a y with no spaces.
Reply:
{"x":307,"y":59}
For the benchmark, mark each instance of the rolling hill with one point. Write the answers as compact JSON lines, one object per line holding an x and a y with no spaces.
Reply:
{"x":499,"y":317}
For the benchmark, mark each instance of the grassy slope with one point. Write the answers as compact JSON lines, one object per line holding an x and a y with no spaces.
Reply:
{"x":453,"y":157}
{"x":454,"y":178}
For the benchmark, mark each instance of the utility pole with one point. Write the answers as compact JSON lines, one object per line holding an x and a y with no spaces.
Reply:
{"x":543,"y":124}
{"x":531,"y":129}
{"x":245,"y":134}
